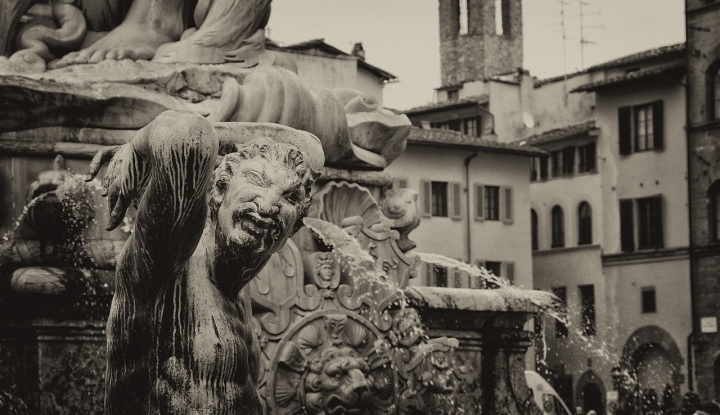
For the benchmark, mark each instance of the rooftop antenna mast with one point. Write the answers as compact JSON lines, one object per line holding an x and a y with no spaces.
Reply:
{"x":564,"y":36}
{"x":584,"y":41}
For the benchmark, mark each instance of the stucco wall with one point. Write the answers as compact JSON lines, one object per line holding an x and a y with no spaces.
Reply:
{"x":490,"y":240}
{"x":646,"y":173}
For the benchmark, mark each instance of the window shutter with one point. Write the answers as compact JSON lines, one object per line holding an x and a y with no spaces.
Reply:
{"x":625,"y":127}
{"x":658,"y":222}
{"x":429,"y":275}
{"x":509,"y":271}
{"x":544,"y":168}
{"x":479,"y":202}
{"x":399,"y":183}
{"x":658,"y":124}
{"x":627,"y":225}
{"x":455,"y":201}
{"x":426,"y":189}
{"x":506,"y":204}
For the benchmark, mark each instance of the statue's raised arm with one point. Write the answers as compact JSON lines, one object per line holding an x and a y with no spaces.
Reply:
{"x":179,"y":336}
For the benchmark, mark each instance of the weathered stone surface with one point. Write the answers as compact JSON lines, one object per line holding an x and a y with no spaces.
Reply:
{"x":184,"y":322}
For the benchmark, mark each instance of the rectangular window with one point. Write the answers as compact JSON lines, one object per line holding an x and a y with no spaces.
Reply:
{"x":557,"y":163}
{"x":649,"y":218}
{"x":644,"y":128}
{"x":492,"y":203}
{"x":641,"y":127}
{"x":441,"y":276}
{"x":543,"y":168}
{"x":586,"y":158}
{"x":568,"y":155}
{"x":587,"y":302}
{"x":439,"y":199}
{"x":561,"y":329}
{"x":649,"y":302}
{"x":494,"y":267}
{"x":471,"y":126}
{"x":453,"y":95}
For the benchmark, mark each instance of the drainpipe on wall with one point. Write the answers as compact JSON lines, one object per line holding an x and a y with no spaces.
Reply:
{"x":468,"y":242}
{"x":691,"y":248}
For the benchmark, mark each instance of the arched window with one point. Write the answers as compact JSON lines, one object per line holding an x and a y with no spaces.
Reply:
{"x":584,"y":224}
{"x":534,"y":224}
{"x":714,"y":210}
{"x":558,"y":227}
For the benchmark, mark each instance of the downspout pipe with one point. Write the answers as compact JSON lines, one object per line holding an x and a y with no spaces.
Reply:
{"x":468,"y":234}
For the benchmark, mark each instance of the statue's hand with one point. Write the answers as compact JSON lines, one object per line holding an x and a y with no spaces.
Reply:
{"x":125,"y":179}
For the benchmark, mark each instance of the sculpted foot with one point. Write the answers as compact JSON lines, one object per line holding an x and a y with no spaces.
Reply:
{"x":127,"y":41}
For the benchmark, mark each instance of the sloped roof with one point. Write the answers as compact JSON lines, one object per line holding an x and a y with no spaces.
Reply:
{"x":324,"y":49}
{"x":434,"y":137}
{"x":471,"y":100}
{"x":559,"y":134}
{"x":671,"y":69}
{"x":662,"y":52}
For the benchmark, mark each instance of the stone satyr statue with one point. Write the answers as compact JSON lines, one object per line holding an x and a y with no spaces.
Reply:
{"x":180,"y":339}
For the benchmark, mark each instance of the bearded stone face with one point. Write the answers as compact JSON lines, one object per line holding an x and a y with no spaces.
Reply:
{"x":340,"y":385}
{"x":262,"y":202}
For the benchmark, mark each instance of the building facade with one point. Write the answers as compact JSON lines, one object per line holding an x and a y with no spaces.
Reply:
{"x":703,"y":86}
{"x":610,"y":217}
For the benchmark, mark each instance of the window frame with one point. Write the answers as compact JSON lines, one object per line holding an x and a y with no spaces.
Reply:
{"x":561,"y":329}
{"x":643,"y":291}
{"x":648,"y":139}
{"x":587,"y":160}
{"x":585,"y":231}
{"x":492,"y":205}
{"x":588,"y":312}
{"x":439,"y":199}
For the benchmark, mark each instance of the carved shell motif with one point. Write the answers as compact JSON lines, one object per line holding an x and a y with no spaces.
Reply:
{"x":339,"y":200}
{"x":310,"y":338}
{"x":356,"y":335}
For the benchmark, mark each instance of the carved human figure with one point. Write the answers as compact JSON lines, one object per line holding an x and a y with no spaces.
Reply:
{"x":198,"y":31}
{"x":180,"y":340}
{"x":335,"y":327}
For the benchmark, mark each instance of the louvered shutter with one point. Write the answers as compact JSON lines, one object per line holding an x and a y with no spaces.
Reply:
{"x":658,"y":222}
{"x":455,"y":201}
{"x":509,"y":271}
{"x":506,"y":199}
{"x":479,"y":202}
{"x":429,"y":275}
{"x":658,"y":125}
{"x":625,"y":130}
{"x":426,"y":188}
{"x":627,"y":225}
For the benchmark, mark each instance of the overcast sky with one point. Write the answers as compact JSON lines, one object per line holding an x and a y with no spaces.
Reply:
{"x":401,"y":36}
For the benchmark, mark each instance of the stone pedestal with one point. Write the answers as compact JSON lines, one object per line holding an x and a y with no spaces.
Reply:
{"x":56,"y":367}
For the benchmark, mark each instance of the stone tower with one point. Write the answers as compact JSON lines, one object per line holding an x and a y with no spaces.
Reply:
{"x":703,"y":109}
{"x":479,"y":38}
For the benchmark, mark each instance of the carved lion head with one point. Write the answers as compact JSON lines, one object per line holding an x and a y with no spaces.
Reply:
{"x":338,"y":384}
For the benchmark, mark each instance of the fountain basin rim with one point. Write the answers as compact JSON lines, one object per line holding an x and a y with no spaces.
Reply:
{"x":493,"y":300}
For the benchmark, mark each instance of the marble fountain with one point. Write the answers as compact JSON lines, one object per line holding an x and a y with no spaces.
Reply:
{"x":336,"y":327}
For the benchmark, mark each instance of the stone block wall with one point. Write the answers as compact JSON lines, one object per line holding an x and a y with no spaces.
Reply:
{"x":703,"y":52}
{"x":480,"y":53}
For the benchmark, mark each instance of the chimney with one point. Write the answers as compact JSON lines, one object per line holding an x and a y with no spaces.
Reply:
{"x":358,"y":51}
